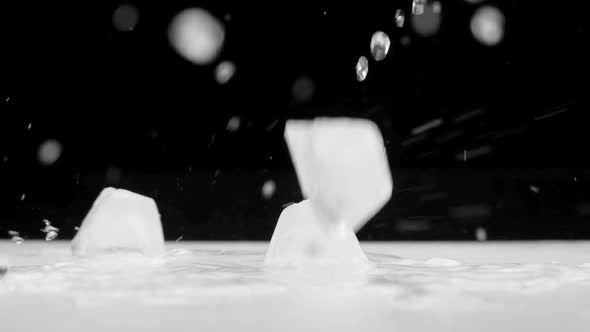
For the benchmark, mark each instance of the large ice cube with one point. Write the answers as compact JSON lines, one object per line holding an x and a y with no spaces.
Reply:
{"x":300,"y":238}
{"x":342,"y":167}
{"x":120,"y":219}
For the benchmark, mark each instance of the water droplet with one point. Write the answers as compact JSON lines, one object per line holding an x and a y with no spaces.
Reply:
{"x":113,"y":175}
{"x":51,"y":235}
{"x":436,"y":7}
{"x":362,"y":69}
{"x":49,"y":152}
{"x":268,"y":189}
{"x":22,"y":197}
{"x":481,"y":234}
{"x":233,"y":124}
{"x":405,"y":40}
{"x":125,"y":18}
{"x":535,"y":189}
{"x":487,"y":25}
{"x":418,"y":7}
{"x":180,"y":238}
{"x":303,"y":89}
{"x":428,"y":23}
{"x":380,"y":45}
{"x":399,"y":18}
{"x":575,"y":179}
{"x":224,"y":72}
{"x":196,"y":35}
{"x":77,"y":228}
{"x":5,"y":159}
{"x":29,"y":126}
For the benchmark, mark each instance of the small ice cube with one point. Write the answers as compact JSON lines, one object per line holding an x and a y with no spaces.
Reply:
{"x":399,"y":18}
{"x":299,"y":237}
{"x":121,"y":219}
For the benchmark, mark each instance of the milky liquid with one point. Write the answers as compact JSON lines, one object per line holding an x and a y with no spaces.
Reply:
{"x":225,"y":286}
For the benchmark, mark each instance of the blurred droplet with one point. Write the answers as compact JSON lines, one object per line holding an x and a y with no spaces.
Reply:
{"x":29,"y":126}
{"x":77,"y":228}
{"x":399,"y":18}
{"x":418,"y":7}
{"x":113,"y":175}
{"x":362,"y":68}
{"x":125,"y":17}
{"x":487,"y":25}
{"x":405,"y":40}
{"x":227,"y":17}
{"x":426,"y":24}
{"x":15,"y":237}
{"x":303,"y":89}
{"x":196,"y":35}
{"x":380,"y":45}
{"x":179,"y":238}
{"x":268,"y":189}
{"x":473,"y":1}
{"x":23,"y":196}
{"x":5,"y":159}
{"x":51,"y":235}
{"x":49,"y":152}
{"x":436,"y":7}
{"x":535,"y":189}
{"x":224,"y":72}
{"x":481,"y":234}
{"x":233,"y":124}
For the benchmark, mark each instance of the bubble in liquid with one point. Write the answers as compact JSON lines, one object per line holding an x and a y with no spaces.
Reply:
{"x":487,"y":25}
{"x":303,"y":89}
{"x":399,"y":18}
{"x":268,"y":189}
{"x":362,"y":68}
{"x":224,"y":72}
{"x":233,"y":124}
{"x":196,"y":35}
{"x":125,"y":18}
{"x":49,"y":152}
{"x":418,"y":7}
{"x":428,"y":23}
{"x":380,"y":45}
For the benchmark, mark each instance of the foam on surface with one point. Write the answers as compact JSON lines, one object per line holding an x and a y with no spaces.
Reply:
{"x":120,"y":219}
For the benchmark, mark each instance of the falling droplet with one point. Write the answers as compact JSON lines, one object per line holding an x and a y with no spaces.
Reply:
{"x":268,"y":189}
{"x":125,"y":18}
{"x":51,"y":235}
{"x":233,"y":124}
{"x":22,"y":197}
{"x":428,"y":22}
{"x":29,"y":126}
{"x":535,"y":189}
{"x":362,"y":69}
{"x":399,"y":18}
{"x":224,"y":72}
{"x":487,"y":25}
{"x":49,"y":152}
{"x":303,"y":89}
{"x":197,"y":35}
{"x":481,"y":234}
{"x":380,"y":45}
{"x":180,"y":238}
{"x":418,"y":7}
{"x":436,"y":7}
{"x":77,"y":228}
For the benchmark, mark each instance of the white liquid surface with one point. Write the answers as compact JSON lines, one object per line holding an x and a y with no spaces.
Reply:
{"x":224,"y":286}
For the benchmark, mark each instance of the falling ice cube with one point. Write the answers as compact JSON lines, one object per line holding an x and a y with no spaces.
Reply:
{"x":120,"y":219}
{"x":344,"y":175}
{"x":380,"y":45}
{"x":362,"y":68}
{"x":341,"y":166}
{"x":299,"y":238}
{"x":399,"y":18}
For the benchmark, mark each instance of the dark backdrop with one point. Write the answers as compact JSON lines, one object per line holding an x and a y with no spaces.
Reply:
{"x":129,"y":112}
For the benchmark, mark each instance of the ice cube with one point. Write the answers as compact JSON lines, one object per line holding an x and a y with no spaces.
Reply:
{"x":342,"y":168}
{"x":299,"y":238}
{"x":120,"y":219}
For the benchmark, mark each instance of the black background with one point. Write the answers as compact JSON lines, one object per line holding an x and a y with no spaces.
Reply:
{"x":126,"y":102}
